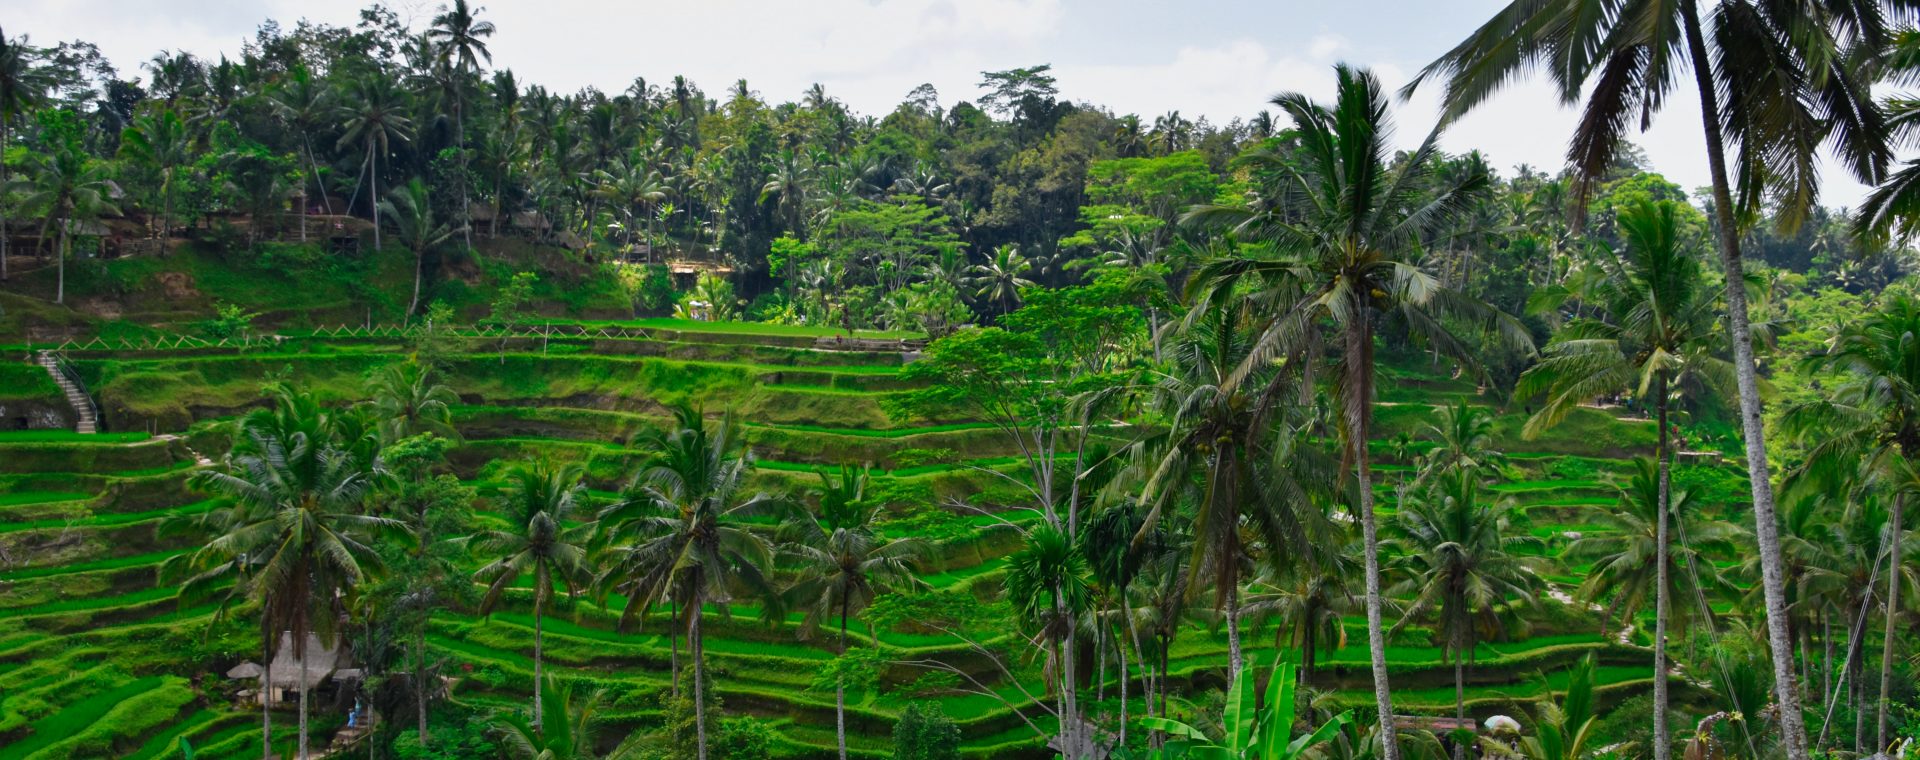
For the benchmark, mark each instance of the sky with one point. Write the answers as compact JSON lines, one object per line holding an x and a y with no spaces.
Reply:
{"x":1199,"y":57}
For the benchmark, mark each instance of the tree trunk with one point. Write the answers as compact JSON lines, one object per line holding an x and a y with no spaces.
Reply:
{"x":419,"y":268}
{"x":1069,"y":685}
{"x":1893,"y":612}
{"x":1459,"y":698}
{"x":1235,"y":663}
{"x":300,"y":648}
{"x":1662,"y":733}
{"x":4,"y":139}
{"x":1766,"y":522}
{"x":539,"y":595}
{"x":460,"y":143}
{"x":60,"y":250}
{"x":673,"y":641}
{"x":694,"y":643}
{"x":266,"y":696}
{"x":1125,"y":676}
{"x":1359,"y":367}
{"x":373,"y":176}
{"x":420,"y":681}
{"x":840,"y":684}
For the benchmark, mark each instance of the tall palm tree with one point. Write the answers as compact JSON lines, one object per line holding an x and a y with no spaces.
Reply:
{"x":161,"y":142}
{"x":1655,"y":331}
{"x":23,"y":87}
{"x":461,"y":46}
{"x":841,"y":563}
{"x":1347,"y":259}
{"x":374,"y":115}
{"x":678,"y":538}
{"x":1459,"y":559}
{"x":1871,"y":421}
{"x":792,"y":179}
{"x":539,"y":501}
{"x":1786,"y":91}
{"x":1049,"y":584}
{"x":1463,"y":441}
{"x":297,"y":508}
{"x":69,"y":189}
{"x":304,"y":103}
{"x":412,"y":214}
{"x":1001,"y":278}
{"x":409,"y":401}
{"x":1627,"y":555}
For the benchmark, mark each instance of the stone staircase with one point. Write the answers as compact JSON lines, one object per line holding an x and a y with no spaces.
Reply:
{"x":87,"y":422}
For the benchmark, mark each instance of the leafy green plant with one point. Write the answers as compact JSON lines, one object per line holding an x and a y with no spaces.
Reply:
{"x":1250,"y":733}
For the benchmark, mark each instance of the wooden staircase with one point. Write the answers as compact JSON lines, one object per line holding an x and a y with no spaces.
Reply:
{"x":87,"y":422}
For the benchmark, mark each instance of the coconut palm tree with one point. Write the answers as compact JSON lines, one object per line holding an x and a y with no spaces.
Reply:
{"x":1000,"y":279}
{"x":1626,"y":555}
{"x":1463,"y":441}
{"x":1458,"y":558}
{"x":409,"y":401}
{"x":161,"y":142}
{"x":1348,"y":261}
{"x":373,"y":115}
{"x":1871,"y":421}
{"x":676,"y":534}
{"x":539,"y":501}
{"x":840,"y":563}
{"x":792,"y":179}
{"x":575,"y":731}
{"x":461,"y":46}
{"x":297,"y":497}
{"x":412,"y":214}
{"x":304,"y":104}
{"x":1656,"y":330}
{"x":1786,"y":92}
{"x":1049,"y":584}
{"x":68,"y":189}
{"x":23,"y":87}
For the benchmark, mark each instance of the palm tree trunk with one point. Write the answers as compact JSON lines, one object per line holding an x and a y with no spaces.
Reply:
{"x":1766,"y":522}
{"x":1893,"y":612}
{"x":420,"y":681}
{"x":373,"y":175}
{"x":300,"y":646}
{"x":1125,"y":676}
{"x":539,"y":595}
{"x":1234,"y":660}
{"x":419,"y":268}
{"x":695,"y":642}
{"x":1359,"y":366}
{"x":4,"y":276}
{"x":1069,"y":685}
{"x":1459,"y":698}
{"x":673,"y":641}
{"x":266,"y":696}
{"x":460,"y":142}
{"x":1662,"y":733}
{"x":840,"y":686}
{"x":60,"y":250}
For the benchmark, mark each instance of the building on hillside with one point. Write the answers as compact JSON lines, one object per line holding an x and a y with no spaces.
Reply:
{"x":328,"y":675}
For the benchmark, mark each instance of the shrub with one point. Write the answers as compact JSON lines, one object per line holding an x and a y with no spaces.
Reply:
{"x":925,"y":733}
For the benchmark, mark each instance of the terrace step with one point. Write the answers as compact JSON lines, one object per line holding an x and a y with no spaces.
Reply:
{"x":86,"y":422}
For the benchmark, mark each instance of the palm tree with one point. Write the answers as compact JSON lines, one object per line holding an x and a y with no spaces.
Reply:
{"x":677,"y":534}
{"x":22,"y":88}
{"x":69,"y":189}
{"x":1871,"y":421}
{"x":1463,"y":441}
{"x":1347,"y":261}
{"x":575,"y":732}
{"x":297,"y":509}
{"x":304,"y":104}
{"x":1656,"y":331}
{"x":1627,"y":554}
{"x":409,"y":402}
{"x":792,"y":180}
{"x":1001,"y":278}
{"x":160,"y":141}
{"x":461,"y":47}
{"x":1563,"y":731}
{"x":412,"y":214}
{"x":373,"y":116}
{"x":1048,"y":583}
{"x":539,"y":501}
{"x":840,"y":563}
{"x":1459,"y":558}
{"x":1787,"y":92}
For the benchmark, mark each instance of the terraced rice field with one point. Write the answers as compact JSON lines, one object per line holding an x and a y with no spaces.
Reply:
{"x":97,"y":658}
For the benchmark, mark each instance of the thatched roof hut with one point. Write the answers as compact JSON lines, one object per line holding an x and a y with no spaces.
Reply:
{"x":321,"y":663}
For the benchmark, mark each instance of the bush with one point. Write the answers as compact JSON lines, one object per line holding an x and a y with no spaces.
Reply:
{"x":925,"y":733}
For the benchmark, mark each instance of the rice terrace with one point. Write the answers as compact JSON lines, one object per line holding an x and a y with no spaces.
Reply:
{"x":364,"y":395}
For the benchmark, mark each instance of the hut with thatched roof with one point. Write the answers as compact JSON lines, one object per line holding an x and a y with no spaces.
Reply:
{"x":326,"y":669}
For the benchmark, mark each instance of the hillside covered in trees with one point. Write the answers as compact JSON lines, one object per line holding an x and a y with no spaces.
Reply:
{"x":467,"y":419}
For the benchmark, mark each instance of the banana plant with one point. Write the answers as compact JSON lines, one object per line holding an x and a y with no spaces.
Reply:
{"x":1252,"y":732}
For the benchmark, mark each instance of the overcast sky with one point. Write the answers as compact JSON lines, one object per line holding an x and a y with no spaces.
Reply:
{"x":1217,"y":59}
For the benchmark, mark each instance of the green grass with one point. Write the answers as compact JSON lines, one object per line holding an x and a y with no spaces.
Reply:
{"x":76,"y":718}
{"x":68,"y":436}
{"x":738,"y":328}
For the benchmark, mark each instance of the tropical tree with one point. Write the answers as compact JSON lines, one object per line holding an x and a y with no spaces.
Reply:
{"x":1627,"y":554}
{"x":407,"y":399}
{"x":840,"y":563}
{"x":1459,"y":559}
{"x":68,"y":189}
{"x":305,"y":104}
{"x":22,"y":88}
{"x":373,"y":114}
{"x":1001,"y":278}
{"x":575,"y":731}
{"x":539,"y":501}
{"x":1463,"y":441}
{"x":1049,"y":585}
{"x":1871,"y":421}
{"x":1348,"y":261}
{"x":161,"y":142}
{"x":412,"y":214}
{"x":1786,"y":92}
{"x":297,"y":496}
{"x":1656,"y":331}
{"x":676,"y":534}
{"x":461,"y":46}
{"x":1565,"y":731}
